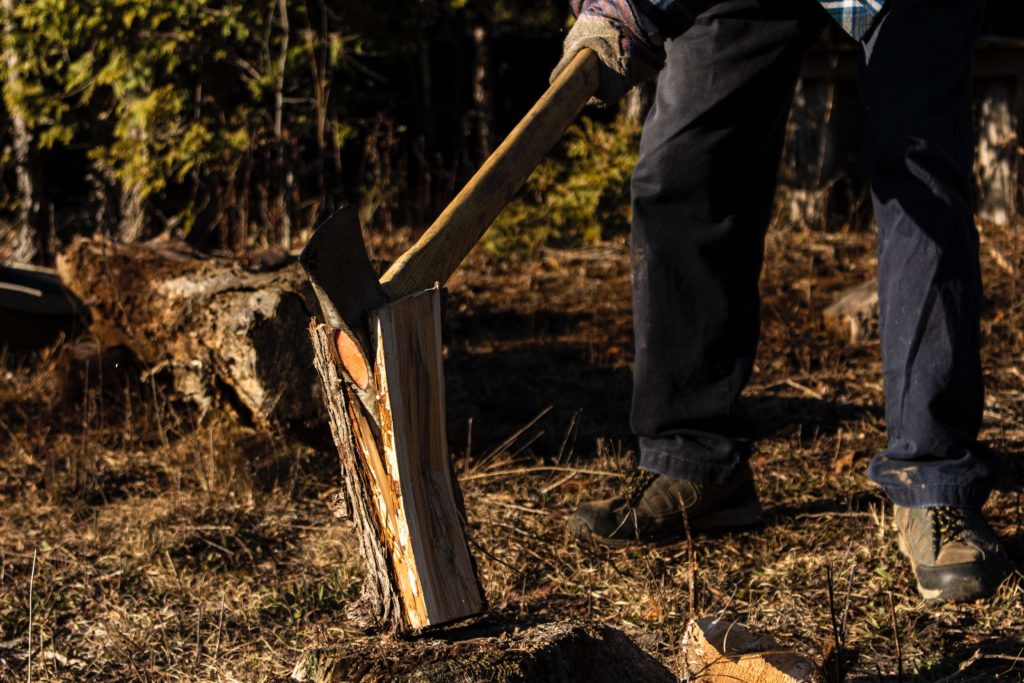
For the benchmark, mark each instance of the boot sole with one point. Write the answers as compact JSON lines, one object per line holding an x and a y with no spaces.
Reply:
{"x":972,"y":586}
{"x":733,"y":519}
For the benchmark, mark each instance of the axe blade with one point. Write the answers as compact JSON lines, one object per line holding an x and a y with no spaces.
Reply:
{"x":344,"y":281}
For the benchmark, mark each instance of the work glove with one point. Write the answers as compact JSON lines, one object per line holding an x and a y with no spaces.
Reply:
{"x":629,"y":47}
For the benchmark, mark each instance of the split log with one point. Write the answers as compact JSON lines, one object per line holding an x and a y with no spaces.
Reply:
{"x":398,"y":476}
{"x":724,"y":651}
{"x":215,"y":329}
{"x":548,"y":653}
{"x":854,"y":314}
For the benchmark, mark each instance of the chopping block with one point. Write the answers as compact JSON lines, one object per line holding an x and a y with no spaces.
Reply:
{"x":378,"y":353}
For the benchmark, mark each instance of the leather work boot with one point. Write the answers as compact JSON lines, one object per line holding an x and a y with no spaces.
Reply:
{"x":954,"y":553}
{"x":654,"y":512}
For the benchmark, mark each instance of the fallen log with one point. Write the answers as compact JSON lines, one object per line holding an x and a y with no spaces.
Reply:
{"x":217,"y":330}
{"x":399,"y":481}
{"x":853,"y":315}
{"x":548,"y":653}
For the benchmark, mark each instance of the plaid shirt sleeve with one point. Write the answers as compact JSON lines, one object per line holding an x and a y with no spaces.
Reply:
{"x":672,"y":17}
{"x":855,"y":16}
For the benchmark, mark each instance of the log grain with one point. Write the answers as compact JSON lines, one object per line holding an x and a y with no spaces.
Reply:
{"x":720,"y":650}
{"x":397,"y":471}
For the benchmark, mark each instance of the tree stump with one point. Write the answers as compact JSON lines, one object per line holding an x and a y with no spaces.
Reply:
{"x":548,"y":653}
{"x":217,"y":330}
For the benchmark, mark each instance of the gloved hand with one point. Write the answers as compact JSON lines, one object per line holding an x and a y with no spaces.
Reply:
{"x":627,"y":43}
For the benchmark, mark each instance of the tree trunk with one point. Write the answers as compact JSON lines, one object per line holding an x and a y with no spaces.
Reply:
{"x":546,"y":653}
{"x":132,"y":206}
{"x":284,"y":175}
{"x":483,"y":101}
{"x":28,"y":236}
{"x":997,"y":157}
{"x":806,"y":162}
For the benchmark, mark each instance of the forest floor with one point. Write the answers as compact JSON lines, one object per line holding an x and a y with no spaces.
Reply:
{"x":136,"y":545}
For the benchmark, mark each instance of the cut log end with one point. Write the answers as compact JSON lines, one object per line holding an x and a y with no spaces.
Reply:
{"x":722,"y":650}
{"x":223,"y":333}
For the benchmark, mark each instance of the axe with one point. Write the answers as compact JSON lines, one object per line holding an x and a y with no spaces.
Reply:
{"x":379,"y":357}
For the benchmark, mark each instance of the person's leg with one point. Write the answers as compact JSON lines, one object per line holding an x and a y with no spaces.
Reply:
{"x":917,"y":86}
{"x":702,"y":198}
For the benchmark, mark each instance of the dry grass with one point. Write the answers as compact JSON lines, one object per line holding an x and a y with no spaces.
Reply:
{"x":165,"y":550}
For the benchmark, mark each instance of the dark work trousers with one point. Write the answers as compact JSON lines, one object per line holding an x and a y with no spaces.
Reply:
{"x":702,"y":198}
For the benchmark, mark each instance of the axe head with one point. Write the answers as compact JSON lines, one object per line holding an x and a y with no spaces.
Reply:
{"x":344,"y":281}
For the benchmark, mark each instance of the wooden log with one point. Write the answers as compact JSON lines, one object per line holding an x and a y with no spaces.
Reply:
{"x":546,"y":653}
{"x":379,"y":604}
{"x":398,"y":473}
{"x":854,"y":314}
{"x":717,"y":650}
{"x":217,"y":330}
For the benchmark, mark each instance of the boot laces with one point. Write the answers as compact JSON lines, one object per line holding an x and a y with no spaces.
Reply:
{"x":638,"y":486}
{"x":948,"y":526}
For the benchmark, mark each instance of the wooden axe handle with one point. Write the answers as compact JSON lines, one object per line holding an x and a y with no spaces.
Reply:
{"x":442,"y":247}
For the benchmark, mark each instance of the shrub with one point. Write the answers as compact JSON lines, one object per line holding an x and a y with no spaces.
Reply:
{"x":579,"y":196}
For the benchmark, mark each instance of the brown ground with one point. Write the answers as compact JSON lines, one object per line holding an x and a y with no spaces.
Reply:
{"x":139,"y":547}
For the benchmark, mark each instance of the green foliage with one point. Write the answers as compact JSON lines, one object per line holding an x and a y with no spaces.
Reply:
{"x":120,"y":77}
{"x":246,"y":119}
{"x":579,"y":196}
{"x":168,"y":93}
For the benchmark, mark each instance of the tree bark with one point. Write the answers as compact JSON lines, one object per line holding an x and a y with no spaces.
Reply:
{"x":221,"y":331}
{"x":27,"y":239}
{"x":997,"y":157}
{"x":810,"y":145}
{"x":483,"y":101}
